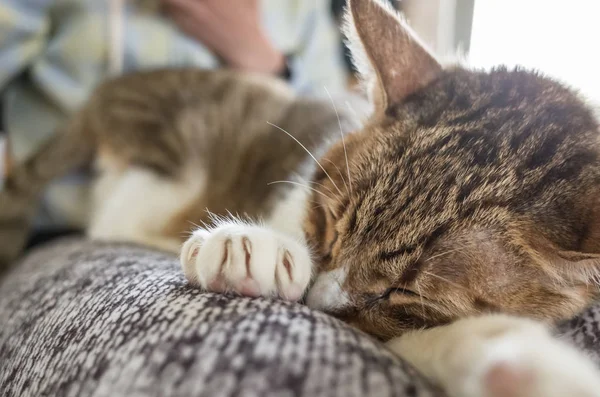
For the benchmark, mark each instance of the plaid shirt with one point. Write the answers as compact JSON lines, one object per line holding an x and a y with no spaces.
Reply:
{"x":54,"y":52}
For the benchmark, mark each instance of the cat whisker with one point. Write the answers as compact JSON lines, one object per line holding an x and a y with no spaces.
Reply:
{"x":323,"y":186}
{"x":343,"y":140}
{"x":314,"y":183}
{"x":329,"y":190}
{"x":309,"y":153}
{"x":301,"y":185}
{"x":445,"y":253}
{"x":446,"y":280}
{"x":315,"y":206}
{"x":339,"y":172}
{"x":420,"y":298}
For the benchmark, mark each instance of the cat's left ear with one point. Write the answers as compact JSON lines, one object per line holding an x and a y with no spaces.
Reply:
{"x":390,"y":58}
{"x":561,"y":264}
{"x":580,"y":266}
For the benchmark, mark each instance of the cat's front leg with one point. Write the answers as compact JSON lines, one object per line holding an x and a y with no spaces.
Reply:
{"x":499,"y":356}
{"x":251,"y":260}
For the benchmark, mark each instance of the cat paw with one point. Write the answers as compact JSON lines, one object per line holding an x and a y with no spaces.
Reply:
{"x":520,"y":366}
{"x":250,"y":260}
{"x":511,"y":357}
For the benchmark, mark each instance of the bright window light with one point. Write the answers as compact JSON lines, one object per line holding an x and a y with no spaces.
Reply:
{"x":559,"y":38}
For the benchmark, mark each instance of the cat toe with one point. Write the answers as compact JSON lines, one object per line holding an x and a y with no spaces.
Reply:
{"x":249,"y":260}
{"x":292,"y":272}
{"x":267,"y":264}
{"x":189,"y":253}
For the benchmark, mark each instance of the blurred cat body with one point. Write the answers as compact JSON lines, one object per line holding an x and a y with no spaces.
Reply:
{"x":467,"y":202}
{"x":171,"y":147}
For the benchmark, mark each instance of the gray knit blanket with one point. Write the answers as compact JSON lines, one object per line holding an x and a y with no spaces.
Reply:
{"x":90,"y":319}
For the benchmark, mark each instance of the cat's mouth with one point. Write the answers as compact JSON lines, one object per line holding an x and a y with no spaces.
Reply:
{"x":326,"y":293}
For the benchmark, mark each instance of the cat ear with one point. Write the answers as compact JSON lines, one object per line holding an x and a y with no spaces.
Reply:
{"x":389,"y":57}
{"x":560,"y":264}
{"x":578,"y":266}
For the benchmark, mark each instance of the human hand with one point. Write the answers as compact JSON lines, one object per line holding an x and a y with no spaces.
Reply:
{"x":231,"y":29}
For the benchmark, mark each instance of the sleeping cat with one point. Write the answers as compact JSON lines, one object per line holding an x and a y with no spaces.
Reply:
{"x":469,"y":199}
{"x":466,"y":203}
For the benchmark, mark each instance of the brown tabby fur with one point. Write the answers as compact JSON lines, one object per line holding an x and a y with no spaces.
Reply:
{"x":468,"y":192}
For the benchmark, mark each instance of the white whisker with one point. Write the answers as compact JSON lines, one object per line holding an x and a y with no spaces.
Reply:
{"x":343,"y":140}
{"x":314,"y":183}
{"x":339,"y":172}
{"x":307,"y":151}
{"x":445,"y":280}
{"x":420,"y":298}
{"x":302,"y":185}
{"x":445,"y":253}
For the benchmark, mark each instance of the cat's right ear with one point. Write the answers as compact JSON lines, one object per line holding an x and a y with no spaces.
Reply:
{"x":389,"y":57}
{"x":562,"y":265}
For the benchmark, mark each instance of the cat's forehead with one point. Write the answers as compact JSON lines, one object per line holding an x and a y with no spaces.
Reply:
{"x":467,"y":125}
{"x":478,"y":142}
{"x":516,"y":89}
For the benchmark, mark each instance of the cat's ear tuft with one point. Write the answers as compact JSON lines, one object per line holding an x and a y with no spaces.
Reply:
{"x":560,"y":264}
{"x":390,"y":59}
{"x":580,"y":266}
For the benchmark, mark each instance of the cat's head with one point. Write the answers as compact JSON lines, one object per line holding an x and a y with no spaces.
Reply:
{"x":467,"y":192}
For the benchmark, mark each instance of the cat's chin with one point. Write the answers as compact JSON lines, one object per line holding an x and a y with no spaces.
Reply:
{"x":326,"y":293}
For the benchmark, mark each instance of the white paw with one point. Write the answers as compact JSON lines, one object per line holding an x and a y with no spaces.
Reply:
{"x":510,"y":357}
{"x":250,"y":260}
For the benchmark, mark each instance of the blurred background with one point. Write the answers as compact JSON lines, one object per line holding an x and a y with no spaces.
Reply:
{"x":559,"y":38}
{"x":553,"y":36}
{"x":54,"y":52}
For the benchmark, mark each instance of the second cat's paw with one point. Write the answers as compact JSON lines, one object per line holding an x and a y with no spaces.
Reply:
{"x":501,"y":356}
{"x":250,"y":260}
{"x":527,"y":363}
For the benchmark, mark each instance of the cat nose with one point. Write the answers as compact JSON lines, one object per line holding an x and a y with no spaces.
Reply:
{"x":327,"y":294}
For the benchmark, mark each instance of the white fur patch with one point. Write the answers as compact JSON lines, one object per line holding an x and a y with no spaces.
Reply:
{"x":136,"y":205}
{"x":327,"y":293}
{"x":289,"y":214}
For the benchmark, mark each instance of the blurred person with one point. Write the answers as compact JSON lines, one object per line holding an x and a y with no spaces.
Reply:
{"x":53,"y":54}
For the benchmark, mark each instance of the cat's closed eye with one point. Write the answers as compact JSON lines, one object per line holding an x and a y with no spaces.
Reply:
{"x":387,"y":294}
{"x":333,"y":240}
{"x":390,"y":255}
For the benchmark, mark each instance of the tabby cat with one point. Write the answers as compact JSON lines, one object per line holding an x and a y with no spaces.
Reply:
{"x":453,"y":225}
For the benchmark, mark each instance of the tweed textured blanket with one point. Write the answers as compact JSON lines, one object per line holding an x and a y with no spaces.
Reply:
{"x":92,"y":319}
